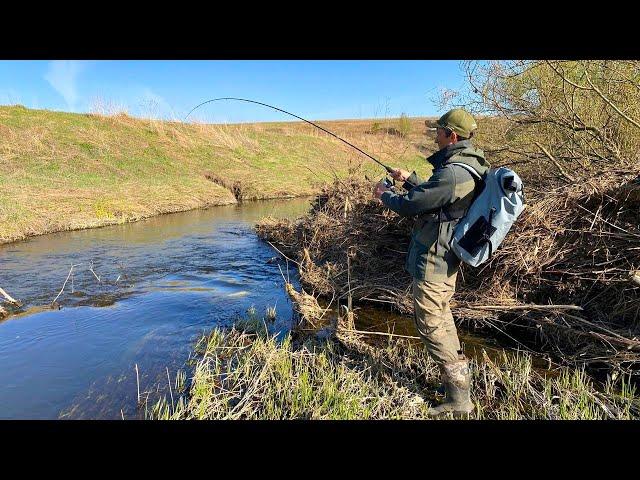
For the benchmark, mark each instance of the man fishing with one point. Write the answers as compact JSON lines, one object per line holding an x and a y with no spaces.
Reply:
{"x":438,"y":204}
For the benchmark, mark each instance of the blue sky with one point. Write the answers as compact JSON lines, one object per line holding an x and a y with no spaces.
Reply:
{"x":316,"y":90}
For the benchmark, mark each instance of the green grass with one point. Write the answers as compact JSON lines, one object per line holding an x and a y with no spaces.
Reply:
{"x":242,"y":375}
{"x":63,"y":171}
{"x":247,"y":373}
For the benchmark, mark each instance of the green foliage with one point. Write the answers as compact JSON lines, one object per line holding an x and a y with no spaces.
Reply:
{"x":404,"y":125}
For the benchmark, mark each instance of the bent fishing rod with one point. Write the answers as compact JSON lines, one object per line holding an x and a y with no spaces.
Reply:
{"x":387,"y":168}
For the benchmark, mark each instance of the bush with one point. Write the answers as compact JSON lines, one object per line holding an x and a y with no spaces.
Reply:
{"x":404,"y":125}
{"x":580,"y":116}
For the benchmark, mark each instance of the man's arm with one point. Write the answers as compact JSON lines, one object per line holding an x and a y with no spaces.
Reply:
{"x":412,"y":181}
{"x":437,"y":192}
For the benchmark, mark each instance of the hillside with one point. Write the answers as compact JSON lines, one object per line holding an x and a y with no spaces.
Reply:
{"x":64,"y":171}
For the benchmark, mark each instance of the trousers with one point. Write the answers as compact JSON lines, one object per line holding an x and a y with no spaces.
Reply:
{"x":434,"y":319}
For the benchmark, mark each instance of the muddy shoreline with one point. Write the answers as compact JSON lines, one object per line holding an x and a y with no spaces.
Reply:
{"x":123,"y":221}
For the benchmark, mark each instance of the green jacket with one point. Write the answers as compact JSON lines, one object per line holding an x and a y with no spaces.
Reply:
{"x":438,"y":204}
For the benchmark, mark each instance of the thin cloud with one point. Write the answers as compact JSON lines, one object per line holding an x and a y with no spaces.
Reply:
{"x":155,"y":105}
{"x":62,"y":76}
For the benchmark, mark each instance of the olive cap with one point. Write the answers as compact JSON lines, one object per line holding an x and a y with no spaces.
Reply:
{"x":457,"y":120}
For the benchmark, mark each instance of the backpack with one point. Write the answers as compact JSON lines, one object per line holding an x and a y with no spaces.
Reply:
{"x":490,"y":216}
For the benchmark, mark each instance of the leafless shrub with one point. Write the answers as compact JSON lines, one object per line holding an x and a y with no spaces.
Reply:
{"x":581,"y":116}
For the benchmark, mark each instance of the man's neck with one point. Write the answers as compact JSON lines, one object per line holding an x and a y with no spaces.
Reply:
{"x":447,"y":146}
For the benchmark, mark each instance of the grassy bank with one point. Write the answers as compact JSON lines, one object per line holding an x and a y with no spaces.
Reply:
{"x":62,"y":171}
{"x":246,"y":373}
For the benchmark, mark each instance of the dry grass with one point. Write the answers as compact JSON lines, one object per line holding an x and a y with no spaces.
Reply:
{"x":574,"y":245}
{"x":247,"y":373}
{"x":61,"y":171}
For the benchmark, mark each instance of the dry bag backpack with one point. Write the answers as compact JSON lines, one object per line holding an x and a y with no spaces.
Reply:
{"x":490,"y":216}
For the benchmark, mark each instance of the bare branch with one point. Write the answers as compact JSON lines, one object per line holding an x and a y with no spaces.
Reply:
{"x":550,"y":157}
{"x":611,"y":104}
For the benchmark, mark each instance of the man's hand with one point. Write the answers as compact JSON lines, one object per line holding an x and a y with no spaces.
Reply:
{"x":400,"y":175}
{"x":379,"y":189}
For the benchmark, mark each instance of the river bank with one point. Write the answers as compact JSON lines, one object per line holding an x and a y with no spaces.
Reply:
{"x":560,"y":284}
{"x":64,"y":171}
{"x":248,"y":373}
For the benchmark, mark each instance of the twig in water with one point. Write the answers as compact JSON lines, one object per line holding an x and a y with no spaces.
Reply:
{"x":282,"y":274}
{"x":529,"y":306}
{"x":94,"y":273}
{"x":276,"y":249}
{"x":65,"y":282}
{"x":9,"y":297}
{"x":170,"y":392}
{"x":387,"y":334}
{"x":364,"y":332}
{"x":586,"y":322}
{"x":138,"y":382}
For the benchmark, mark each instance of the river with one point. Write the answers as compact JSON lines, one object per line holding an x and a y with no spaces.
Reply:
{"x":139,"y":296}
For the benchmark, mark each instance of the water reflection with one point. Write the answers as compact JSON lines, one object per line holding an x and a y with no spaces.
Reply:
{"x":159,"y":284}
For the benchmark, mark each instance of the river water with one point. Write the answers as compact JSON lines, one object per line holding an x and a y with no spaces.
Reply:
{"x":139,"y":295}
{"x":162,"y":283}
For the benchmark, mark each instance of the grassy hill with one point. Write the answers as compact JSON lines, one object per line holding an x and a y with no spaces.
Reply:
{"x":63,"y":171}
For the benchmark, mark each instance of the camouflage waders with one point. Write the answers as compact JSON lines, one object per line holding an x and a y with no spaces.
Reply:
{"x":434,"y":319}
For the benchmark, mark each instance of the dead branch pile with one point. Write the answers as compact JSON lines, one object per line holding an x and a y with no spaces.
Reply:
{"x":565,"y":280}
{"x":306,"y":306}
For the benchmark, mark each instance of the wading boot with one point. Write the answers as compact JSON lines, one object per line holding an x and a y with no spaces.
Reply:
{"x":457,"y":383}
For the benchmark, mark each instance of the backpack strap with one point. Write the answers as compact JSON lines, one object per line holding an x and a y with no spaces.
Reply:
{"x":456,"y":213}
{"x":468,"y":168}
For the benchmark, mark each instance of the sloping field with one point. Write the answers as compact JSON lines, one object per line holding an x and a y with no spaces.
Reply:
{"x":63,"y":171}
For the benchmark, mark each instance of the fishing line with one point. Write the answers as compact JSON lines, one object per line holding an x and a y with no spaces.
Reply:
{"x":388,"y":169}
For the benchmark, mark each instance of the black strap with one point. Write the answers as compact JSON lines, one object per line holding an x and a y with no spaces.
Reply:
{"x":488,"y":233}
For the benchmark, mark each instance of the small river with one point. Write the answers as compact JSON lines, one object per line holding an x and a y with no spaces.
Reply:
{"x":140,"y":294}
{"x":162,"y":283}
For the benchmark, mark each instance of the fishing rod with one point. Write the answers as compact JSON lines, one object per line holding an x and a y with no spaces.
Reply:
{"x":387,"y":168}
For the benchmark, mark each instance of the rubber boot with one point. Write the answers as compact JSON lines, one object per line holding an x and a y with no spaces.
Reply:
{"x":442,"y":388}
{"x":457,"y":382}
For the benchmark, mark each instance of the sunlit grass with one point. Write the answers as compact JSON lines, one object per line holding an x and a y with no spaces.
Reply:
{"x":72,"y":171}
{"x":248,"y":373}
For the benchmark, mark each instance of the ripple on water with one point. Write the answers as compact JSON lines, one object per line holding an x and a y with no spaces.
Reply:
{"x":165,"y":281}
